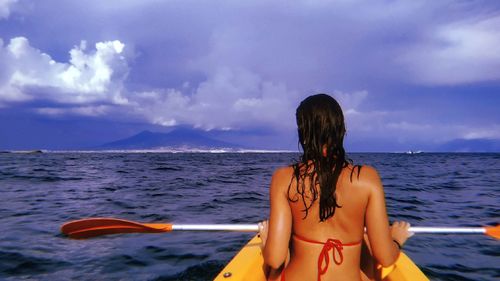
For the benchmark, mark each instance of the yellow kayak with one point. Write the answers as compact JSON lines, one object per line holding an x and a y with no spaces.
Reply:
{"x":248,"y":265}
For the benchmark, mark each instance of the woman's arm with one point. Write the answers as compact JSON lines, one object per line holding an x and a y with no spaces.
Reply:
{"x":280,"y":220}
{"x":381,"y":236}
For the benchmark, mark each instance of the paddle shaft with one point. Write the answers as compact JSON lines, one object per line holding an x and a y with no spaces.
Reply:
{"x":254,"y":227}
{"x":447,"y":230}
{"x":217,"y":227}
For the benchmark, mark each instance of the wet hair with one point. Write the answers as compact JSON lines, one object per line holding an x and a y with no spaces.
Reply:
{"x":321,"y":128}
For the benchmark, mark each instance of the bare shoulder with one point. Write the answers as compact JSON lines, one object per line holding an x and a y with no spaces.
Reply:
{"x":281,"y":178}
{"x":368,"y":172}
{"x":283,"y":173}
{"x":365,"y":177}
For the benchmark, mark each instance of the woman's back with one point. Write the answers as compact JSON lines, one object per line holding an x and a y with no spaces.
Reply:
{"x":346,"y":226}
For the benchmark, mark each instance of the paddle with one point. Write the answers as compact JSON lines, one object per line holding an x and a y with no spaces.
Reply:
{"x":92,"y":227}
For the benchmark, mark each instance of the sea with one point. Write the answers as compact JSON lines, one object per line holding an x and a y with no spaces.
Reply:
{"x":40,"y":192}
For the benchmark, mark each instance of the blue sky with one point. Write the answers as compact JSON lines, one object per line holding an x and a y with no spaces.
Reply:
{"x":408,"y":74}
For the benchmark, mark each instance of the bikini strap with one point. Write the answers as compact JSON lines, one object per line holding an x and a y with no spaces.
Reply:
{"x":302,"y":238}
{"x":324,"y":257}
{"x":330,"y":244}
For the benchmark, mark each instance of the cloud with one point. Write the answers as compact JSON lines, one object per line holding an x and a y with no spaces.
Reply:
{"x":350,"y":101}
{"x":307,"y":45}
{"x":405,"y":130}
{"x":465,"y":51}
{"x":89,"y":76}
{"x":229,"y":99}
{"x":93,"y":111}
{"x":485,"y":132}
{"x":5,"y":8}
{"x":406,"y":126}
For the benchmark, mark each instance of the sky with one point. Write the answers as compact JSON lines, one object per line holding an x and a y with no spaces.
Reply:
{"x":409,"y":75}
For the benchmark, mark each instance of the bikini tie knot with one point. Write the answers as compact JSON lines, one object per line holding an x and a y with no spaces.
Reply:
{"x":330,"y":244}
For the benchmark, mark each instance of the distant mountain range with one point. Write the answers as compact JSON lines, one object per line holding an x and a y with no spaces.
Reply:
{"x":189,"y":139}
{"x":178,"y":139}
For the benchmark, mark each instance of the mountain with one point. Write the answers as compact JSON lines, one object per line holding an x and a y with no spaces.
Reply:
{"x":472,"y":145}
{"x":178,"y":139}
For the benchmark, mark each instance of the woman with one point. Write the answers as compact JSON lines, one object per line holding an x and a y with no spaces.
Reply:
{"x":321,"y":205}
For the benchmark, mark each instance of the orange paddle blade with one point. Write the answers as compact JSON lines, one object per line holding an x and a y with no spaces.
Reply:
{"x":493,"y":231}
{"x":92,"y":227}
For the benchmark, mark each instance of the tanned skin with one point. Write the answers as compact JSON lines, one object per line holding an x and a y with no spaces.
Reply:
{"x":361,"y":196}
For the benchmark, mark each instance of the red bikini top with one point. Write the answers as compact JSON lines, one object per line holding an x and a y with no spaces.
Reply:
{"x":324,"y":257}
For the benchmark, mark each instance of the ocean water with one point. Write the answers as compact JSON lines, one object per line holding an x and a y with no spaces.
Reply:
{"x":40,"y":192}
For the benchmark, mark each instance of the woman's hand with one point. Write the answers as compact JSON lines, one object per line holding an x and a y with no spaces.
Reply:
{"x":263,"y":229}
{"x":400,"y":233}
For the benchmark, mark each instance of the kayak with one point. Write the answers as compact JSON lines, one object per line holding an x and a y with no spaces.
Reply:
{"x":248,"y":265}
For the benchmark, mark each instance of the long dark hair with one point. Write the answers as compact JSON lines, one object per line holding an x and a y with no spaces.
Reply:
{"x":321,"y":128}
